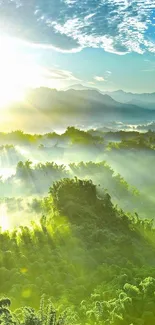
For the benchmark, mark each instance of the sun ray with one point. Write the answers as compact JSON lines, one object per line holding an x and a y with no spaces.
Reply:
{"x":4,"y":219}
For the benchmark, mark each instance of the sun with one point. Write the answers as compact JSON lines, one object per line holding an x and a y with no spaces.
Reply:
{"x":11,"y":83}
{"x":10,"y":95}
{"x":17,"y":72}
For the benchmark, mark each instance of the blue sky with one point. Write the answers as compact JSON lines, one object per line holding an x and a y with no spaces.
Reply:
{"x":109,"y":44}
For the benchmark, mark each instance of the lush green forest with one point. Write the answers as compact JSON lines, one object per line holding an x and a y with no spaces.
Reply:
{"x":77,"y":162}
{"x":77,"y":239}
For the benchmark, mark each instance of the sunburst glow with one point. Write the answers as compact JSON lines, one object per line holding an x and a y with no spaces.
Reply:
{"x":11,"y":88}
{"x":17,"y":73}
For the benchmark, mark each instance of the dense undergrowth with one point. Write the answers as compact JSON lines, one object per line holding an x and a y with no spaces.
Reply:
{"x":31,"y":180}
{"x":92,"y":260}
{"x":81,"y":245}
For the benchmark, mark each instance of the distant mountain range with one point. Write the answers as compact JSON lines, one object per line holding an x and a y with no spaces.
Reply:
{"x":81,"y":87}
{"x":85,"y":104}
{"x":47,"y":109}
{"x":144,"y":100}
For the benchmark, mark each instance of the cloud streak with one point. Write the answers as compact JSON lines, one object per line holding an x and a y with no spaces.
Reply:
{"x":57,"y":74}
{"x":99,"y":79}
{"x":117,"y":26}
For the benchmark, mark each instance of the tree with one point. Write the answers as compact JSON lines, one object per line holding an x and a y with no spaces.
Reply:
{"x":76,"y":190}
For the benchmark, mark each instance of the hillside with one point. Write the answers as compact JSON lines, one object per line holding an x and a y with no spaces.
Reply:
{"x":88,"y":103}
{"x":45,"y":109}
{"x":144,"y":100}
{"x":85,"y":255}
{"x":77,"y":228}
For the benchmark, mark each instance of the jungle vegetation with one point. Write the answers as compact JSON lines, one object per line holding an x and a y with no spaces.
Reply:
{"x":79,"y":246}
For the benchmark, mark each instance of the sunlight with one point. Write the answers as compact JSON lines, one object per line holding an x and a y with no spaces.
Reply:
{"x":22,"y":150}
{"x":5,"y":173}
{"x":10,"y":88}
{"x":10,"y":95}
{"x":17,"y":73}
{"x":4,"y":219}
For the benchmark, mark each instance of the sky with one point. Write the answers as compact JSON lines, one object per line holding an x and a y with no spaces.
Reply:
{"x":106,"y":44}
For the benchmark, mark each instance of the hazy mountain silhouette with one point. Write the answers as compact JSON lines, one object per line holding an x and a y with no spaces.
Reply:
{"x":142,"y":104}
{"x":90,"y":103}
{"x":45,"y":109}
{"x":78,"y":87}
{"x":144,"y":100}
{"x":82,"y":87}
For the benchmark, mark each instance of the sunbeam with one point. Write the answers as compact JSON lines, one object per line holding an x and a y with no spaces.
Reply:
{"x":4,"y":219}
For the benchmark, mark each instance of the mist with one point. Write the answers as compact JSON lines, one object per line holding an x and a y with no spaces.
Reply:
{"x":115,"y":161}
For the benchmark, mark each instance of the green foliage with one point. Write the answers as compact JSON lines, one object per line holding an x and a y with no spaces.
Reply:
{"x":74,"y":191}
{"x":46,"y":315}
{"x":88,"y":257}
{"x":83,"y":137}
{"x":138,"y":141}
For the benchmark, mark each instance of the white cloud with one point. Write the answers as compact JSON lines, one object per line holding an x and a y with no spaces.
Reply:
{"x":121,"y":29}
{"x":99,"y":79}
{"x":117,"y":26}
{"x":57,"y":74}
{"x":47,"y":46}
{"x":91,"y":83}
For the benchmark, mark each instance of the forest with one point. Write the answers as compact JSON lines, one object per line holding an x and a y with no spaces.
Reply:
{"x":77,"y":162}
{"x":77,"y":228}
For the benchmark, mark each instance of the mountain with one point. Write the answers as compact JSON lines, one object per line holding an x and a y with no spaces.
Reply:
{"x":142,"y":104}
{"x":81,"y":87}
{"x":80,"y":103}
{"x":144,"y":100}
{"x":77,"y":87}
{"x":49,"y":109}
{"x":83,"y":100}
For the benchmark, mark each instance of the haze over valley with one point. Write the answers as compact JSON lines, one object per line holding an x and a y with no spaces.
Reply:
{"x":77,"y":162}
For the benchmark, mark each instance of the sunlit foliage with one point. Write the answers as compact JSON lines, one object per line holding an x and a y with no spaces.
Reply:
{"x":85,"y":255}
{"x":82,"y":245}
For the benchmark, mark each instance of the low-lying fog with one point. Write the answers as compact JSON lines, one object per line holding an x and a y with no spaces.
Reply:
{"x":29,"y":164}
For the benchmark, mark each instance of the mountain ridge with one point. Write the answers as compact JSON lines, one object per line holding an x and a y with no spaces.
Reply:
{"x":53,"y":108}
{"x":81,"y":101}
{"x":143,"y":100}
{"x":78,"y":86}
